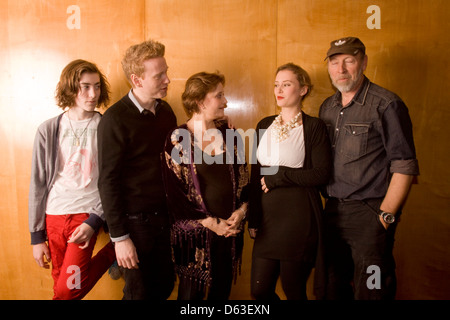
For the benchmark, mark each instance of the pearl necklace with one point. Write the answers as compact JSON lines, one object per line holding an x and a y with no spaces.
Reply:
{"x":281,"y":131}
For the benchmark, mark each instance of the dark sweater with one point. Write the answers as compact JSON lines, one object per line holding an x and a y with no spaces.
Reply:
{"x":130,"y":144}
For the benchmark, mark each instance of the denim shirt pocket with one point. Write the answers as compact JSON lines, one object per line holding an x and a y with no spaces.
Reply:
{"x":354,"y":144}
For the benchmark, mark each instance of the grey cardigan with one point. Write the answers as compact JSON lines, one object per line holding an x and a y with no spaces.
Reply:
{"x":43,"y":173}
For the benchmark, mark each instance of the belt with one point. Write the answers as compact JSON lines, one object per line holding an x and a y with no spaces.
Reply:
{"x":343,"y":200}
{"x":354,"y":200}
{"x":141,"y":215}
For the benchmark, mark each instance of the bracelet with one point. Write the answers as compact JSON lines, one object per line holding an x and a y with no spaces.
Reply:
{"x":244,"y":212}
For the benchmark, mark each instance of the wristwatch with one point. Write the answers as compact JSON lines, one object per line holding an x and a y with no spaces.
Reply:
{"x":387,"y":217}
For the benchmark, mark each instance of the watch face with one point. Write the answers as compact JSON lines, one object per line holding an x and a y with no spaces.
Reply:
{"x":388,"y":217}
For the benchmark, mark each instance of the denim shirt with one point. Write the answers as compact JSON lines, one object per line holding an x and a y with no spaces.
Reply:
{"x":371,"y":138}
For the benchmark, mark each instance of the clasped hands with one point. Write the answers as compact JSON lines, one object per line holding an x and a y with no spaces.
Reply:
{"x":126,"y":254}
{"x":227,"y":228}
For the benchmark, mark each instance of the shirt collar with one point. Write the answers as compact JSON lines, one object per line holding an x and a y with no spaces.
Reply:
{"x":137,"y":104}
{"x":360,"y":96}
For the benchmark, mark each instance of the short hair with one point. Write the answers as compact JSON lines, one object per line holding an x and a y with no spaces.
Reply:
{"x":302,"y":76}
{"x":69,"y":84}
{"x":133,"y":60}
{"x":196,"y":89}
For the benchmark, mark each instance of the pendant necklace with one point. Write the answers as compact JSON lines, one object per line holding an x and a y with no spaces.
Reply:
{"x":77,"y":138}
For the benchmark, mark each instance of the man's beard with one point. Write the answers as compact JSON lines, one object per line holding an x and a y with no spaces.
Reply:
{"x":350,"y":86}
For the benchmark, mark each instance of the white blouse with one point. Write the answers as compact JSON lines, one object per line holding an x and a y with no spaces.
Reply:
{"x":289,"y":152}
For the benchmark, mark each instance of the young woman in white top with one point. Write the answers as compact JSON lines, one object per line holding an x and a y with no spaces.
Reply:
{"x":293,"y":161}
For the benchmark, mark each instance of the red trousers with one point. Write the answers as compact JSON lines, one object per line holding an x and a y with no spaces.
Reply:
{"x":74,"y":270}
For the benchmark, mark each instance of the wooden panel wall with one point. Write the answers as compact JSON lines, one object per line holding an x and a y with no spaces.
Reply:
{"x":246,"y":40}
{"x":407,"y":55}
{"x":36,"y":44}
{"x":236,"y":37}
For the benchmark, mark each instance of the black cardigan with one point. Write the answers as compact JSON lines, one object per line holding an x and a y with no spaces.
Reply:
{"x":315,"y":173}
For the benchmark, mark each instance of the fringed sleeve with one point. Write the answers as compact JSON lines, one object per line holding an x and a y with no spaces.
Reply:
{"x":190,"y":240}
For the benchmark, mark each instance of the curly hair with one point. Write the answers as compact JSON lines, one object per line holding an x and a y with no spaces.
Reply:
{"x":69,"y":84}
{"x":133,"y":60}
{"x":196,"y":89}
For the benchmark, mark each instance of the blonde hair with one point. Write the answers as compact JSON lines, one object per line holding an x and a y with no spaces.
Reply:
{"x":302,"y":76}
{"x":133,"y":60}
{"x":69,"y":84}
{"x":196,"y":89}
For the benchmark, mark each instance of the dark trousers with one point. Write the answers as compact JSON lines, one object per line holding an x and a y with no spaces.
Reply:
{"x":155,"y":277}
{"x":358,"y":251}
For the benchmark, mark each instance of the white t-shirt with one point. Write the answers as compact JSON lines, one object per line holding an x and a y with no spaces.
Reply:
{"x":289,"y":152}
{"x":75,"y":189}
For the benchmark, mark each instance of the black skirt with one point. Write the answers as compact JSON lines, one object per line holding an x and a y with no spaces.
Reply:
{"x":288,"y":229}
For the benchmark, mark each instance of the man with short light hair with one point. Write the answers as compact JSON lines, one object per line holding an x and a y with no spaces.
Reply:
{"x":131,"y":138}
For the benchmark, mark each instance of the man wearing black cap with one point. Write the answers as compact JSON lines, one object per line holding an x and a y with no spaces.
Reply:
{"x":374,"y":165}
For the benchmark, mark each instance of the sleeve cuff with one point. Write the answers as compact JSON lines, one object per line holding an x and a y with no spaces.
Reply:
{"x":94,"y":221}
{"x":408,"y":167}
{"x":270,"y":181}
{"x":38,"y":237}
{"x":119,"y":238}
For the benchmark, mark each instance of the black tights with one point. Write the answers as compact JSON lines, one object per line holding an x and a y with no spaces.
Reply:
{"x":293,"y":274}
